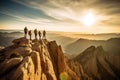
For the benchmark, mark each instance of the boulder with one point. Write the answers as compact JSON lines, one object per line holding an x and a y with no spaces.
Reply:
{"x":23,"y":51}
{"x":22,"y":42}
{"x":9,"y":64}
{"x":25,"y":71}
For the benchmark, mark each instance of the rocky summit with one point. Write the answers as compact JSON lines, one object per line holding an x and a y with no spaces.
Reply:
{"x":34,"y":60}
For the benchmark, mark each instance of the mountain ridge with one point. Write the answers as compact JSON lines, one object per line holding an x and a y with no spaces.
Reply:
{"x":111,"y":45}
{"x":99,"y":64}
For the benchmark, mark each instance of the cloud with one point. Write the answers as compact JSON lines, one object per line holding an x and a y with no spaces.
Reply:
{"x":67,"y":13}
{"x":73,"y":9}
{"x":22,"y":17}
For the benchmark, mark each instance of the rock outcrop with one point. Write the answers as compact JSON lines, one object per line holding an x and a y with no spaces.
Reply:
{"x":34,"y":60}
{"x":59,"y":59}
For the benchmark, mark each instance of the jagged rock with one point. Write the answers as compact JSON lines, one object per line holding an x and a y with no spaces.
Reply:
{"x":63,"y":67}
{"x":29,"y":69}
{"x":9,"y":64}
{"x":61,"y":62}
{"x":37,"y":65}
{"x":23,"y":51}
{"x":48,"y":68}
{"x":25,"y":71}
{"x":59,"y":59}
{"x":53,"y":48}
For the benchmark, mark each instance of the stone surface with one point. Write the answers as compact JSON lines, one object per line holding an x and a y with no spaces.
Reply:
{"x":22,"y":42}
{"x":39,"y":60}
{"x":9,"y":64}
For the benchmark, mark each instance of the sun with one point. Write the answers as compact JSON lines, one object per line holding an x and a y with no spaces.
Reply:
{"x":89,"y":19}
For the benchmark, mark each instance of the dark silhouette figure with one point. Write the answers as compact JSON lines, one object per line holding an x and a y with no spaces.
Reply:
{"x":44,"y":34}
{"x":25,"y":32}
{"x":35,"y":32}
{"x":30,"y":34}
{"x":39,"y":33}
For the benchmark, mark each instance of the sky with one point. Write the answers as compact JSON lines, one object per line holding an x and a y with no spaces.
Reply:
{"x":84,"y":16}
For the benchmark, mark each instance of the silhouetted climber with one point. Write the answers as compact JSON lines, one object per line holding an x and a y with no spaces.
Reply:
{"x":30,"y":34}
{"x":35,"y":32}
{"x":44,"y":34}
{"x":25,"y":32}
{"x":39,"y":33}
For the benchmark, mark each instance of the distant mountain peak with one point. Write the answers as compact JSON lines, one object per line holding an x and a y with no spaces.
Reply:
{"x":89,"y":53}
{"x":100,"y":47}
{"x":99,"y":64}
{"x":91,"y":48}
{"x":81,"y":39}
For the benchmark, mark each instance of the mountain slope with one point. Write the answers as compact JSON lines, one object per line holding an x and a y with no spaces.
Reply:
{"x":110,"y":45}
{"x":99,"y":64}
{"x":34,"y":60}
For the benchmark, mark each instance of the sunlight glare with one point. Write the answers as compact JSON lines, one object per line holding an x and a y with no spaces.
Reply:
{"x":88,"y":19}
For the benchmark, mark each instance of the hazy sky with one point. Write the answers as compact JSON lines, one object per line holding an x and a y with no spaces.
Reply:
{"x":61,"y":15}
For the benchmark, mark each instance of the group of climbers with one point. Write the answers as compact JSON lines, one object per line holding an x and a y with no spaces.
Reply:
{"x":36,"y":32}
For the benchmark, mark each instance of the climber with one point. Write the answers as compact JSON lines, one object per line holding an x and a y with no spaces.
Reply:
{"x":30,"y":34}
{"x":39,"y":33}
{"x":35,"y":32}
{"x":25,"y":32}
{"x":44,"y":34}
